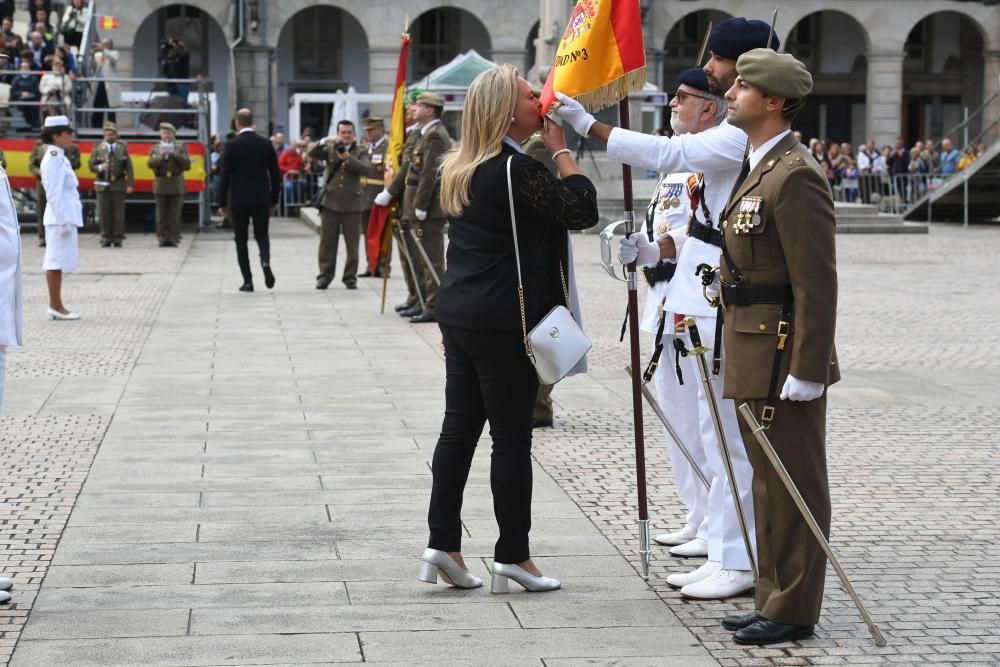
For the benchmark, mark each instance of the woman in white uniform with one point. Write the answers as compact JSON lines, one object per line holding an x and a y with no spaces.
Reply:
{"x":63,"y":212}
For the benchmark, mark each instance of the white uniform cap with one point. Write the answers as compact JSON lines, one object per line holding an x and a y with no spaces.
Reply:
{"x":57,"y":121}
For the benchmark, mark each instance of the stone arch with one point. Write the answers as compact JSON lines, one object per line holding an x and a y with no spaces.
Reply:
{"x":943,"y":71}
{"x":200,"y":30}
{"x":320,"y":48}
{"x":833,"y":45}
{"x":440,"y":34}
{"x":683,"y":41}
{"x":530,"y":46}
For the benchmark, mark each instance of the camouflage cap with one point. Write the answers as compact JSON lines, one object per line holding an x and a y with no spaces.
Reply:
{"x":373,"y":122}
{"x":167,"y":126}
{"x":778,"y":74}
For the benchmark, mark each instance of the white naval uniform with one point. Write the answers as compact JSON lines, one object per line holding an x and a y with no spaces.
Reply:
{"x":63,"y":211}
{"x":678,"y":401}
{"x":10,"y":277}
{"x":717,"y":152}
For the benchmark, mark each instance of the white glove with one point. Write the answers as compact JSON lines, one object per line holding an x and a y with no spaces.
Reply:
{"x":801,"y":390}
{"x":421,"y":215}
{"x":65,"y":230}
{"x":572,"y":112}
{"x":383,"y":198}
{"x":637,"y":248}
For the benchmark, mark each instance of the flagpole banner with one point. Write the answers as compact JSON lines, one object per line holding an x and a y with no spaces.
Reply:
{"x":601,"y":57}
{"x":379,"y":222}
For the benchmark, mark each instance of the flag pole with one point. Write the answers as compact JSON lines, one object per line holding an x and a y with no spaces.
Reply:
{"x":633,"y":335}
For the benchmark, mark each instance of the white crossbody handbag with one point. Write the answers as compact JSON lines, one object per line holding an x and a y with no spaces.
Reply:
{"x":557,"y":343}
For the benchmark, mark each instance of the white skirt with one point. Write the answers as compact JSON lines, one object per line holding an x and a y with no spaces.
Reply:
{"x":61,"y":252}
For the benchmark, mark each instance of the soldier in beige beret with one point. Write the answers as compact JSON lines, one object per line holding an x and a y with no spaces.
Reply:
{"x":779,"y":291}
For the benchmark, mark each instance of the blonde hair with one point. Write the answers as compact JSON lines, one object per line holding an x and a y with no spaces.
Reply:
{"x":486,"y":117}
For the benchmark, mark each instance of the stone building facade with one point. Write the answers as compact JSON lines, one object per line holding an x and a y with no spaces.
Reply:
{"x":883,"y":68}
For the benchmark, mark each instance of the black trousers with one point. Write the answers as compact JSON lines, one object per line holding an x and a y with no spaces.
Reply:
{"x":241,"y":217}
{"x":489,"y":378}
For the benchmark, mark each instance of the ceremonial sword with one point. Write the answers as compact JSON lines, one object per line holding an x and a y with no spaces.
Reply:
{"x":423,"y":254}
{"x":800,"y":503}
{"x":409,"y":265}
{"x":713,"y":408}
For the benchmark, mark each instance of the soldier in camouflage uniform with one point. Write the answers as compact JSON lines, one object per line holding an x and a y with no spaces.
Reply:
{"x":114,"y":180}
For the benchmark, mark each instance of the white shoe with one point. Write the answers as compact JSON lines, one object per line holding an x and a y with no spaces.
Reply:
{"x":439,"y":562}
{"x":4,"y":597}
{"x":696,"y":548}
{"x":721,"y":585}
{"x":504,"y":571}
{"x":56,"y":315}
{"x":676,"y":538}
{"x":682,"y":579}
{"x":6,"y":583}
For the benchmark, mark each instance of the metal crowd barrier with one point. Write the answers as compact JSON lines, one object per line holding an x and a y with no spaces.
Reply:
{"x":891,"y":194}
{"x":298,"y":192}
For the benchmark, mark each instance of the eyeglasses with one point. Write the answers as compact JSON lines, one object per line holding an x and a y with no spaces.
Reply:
{"x":681,"y":94}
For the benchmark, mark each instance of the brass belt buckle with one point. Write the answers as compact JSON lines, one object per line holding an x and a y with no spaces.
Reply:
{"x":782,"y":334}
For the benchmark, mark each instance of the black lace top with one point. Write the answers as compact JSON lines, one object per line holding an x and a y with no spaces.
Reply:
{"x":479,"y":288}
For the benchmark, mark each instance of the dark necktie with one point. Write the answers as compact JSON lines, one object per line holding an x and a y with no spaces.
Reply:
{"x":744,"y":172}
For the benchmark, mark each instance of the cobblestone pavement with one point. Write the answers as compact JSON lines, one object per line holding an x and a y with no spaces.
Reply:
{"x":186,"y":546}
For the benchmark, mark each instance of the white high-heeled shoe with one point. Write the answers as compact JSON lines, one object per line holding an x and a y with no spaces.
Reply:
{"x":56,"y":315}
{"x":502,"y":572}
{"x":436,"y":563}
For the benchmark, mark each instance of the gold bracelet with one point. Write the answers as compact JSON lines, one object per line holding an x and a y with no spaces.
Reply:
{"x":560,"y":152}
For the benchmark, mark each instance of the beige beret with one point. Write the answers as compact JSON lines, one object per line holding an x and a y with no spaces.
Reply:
{"x":773,"y":73}
{"x":167,"y":126}
{"x":430,"y":99}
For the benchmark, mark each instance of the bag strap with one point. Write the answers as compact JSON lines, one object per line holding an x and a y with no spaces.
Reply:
{"x":517,"y":259}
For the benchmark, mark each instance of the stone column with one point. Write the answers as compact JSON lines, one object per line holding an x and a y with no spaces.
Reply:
{"x":991,"y":84}
{"x":552,"y":17}
{"x":383,"y":61}
{"x":885,"y":96}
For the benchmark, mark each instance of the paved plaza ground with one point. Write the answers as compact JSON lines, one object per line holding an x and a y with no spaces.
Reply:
{"x":197,"y":476}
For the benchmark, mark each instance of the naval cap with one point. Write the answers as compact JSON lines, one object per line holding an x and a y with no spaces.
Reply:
{"x":734,"y":37}
{"x":56,"y":122}
{"x":694,"y":77}
{"x":778,"y":74}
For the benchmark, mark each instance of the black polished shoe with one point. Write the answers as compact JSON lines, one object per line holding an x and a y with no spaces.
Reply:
{"x":764,"y":632}
{"x":351,"y":285}
{"x":105,"y":244}
{"x":541,"y":423}
{"x":41,"y":244}
{"x":117,"y":244}
{"x":246,"y":287}
{"x":268,"y":276}
{"x":735,"y":622}
{"x":422,"y":318}
{"x":412,"y":311}
{"x":322,"y":283}
{"x":366,"y":274}
{"x":399,"y":307}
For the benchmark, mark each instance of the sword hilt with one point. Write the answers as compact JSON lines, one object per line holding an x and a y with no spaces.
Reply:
{"x":692,"y":327}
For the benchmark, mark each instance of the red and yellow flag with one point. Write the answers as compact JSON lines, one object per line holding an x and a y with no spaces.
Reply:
{"x":601,"y":57}
{"x":379,"y":233}
{"x":107,"y":22}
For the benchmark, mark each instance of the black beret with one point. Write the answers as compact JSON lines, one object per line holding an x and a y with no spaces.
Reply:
{"x":734,"y":37}
{"x":694,"y":77}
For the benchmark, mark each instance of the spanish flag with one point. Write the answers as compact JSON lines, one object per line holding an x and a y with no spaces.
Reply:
{"x":600,"y":58}
{"x":379,"y":236}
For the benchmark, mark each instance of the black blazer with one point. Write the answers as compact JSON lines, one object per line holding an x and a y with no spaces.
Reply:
{"x":249,"y":172}
{"x":479,"y":288}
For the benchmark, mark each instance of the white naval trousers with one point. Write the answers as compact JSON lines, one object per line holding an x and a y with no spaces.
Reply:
{"x":680,"y":404}
{"x":3,"y":373}
{"x":725,"y":538}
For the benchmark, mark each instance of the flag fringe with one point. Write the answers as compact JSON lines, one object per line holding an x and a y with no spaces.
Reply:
{"x":614,"y":92}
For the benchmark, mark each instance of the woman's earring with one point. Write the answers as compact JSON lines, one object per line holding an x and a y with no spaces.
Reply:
{"x":512,"y":120}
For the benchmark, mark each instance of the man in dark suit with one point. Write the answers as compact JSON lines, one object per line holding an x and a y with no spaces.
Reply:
{"x":249,"y":187}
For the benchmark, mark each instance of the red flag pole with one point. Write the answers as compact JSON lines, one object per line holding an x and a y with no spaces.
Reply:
{"x":633,"y":335}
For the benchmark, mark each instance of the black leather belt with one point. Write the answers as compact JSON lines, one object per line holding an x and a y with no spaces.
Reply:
{"x":704,"y":233}
{"x":662,"y":272}
{"x":747,"y":295}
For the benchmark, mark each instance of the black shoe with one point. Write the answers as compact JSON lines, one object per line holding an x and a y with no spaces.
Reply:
{"x":246,"y":287}
{"x":351,"y":285}
{"x":412,"y":311}
{"x":105,"y":244}
{"x":422,"y":318}
{"x":41,"y":244}
{"x":165,"y":244}
{"x":378,"y":273}
{"x":117,"y":244}
{"x":764,"y":632}
{"x":541,"y":423}
{"x":736,"y":622}
{"x":322,"y":283}
{"x":399,"y":307}
{"x":366,"y":274}
{"x":268,"y":276}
